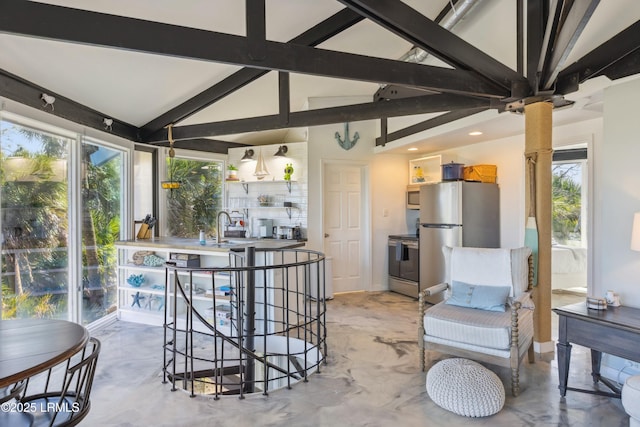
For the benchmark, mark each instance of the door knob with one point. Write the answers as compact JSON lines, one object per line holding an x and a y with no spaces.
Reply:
{"x":326,"y":235}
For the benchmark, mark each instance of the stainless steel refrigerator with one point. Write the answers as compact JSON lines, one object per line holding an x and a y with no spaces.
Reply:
{"x":455,"y":213}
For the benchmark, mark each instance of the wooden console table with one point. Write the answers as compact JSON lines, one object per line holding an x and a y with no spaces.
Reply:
{"x":614,"y":331}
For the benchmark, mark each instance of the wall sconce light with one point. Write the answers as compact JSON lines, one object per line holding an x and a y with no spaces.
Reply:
{"x":282,"y":151}
{"x":48,"y":101}
{"x":635,"y":232}
{"x":248,"y":156}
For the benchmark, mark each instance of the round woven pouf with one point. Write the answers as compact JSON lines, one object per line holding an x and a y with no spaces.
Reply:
{"x":465,"y":387}
{"x":630,"y":396}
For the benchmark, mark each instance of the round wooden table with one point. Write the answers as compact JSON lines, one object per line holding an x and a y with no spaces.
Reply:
{"x":31,"y":346}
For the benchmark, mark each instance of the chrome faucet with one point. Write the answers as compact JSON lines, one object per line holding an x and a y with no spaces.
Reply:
{"x":218,"y":239}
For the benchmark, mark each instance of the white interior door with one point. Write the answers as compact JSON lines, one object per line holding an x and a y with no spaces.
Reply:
{"x":343,"y":225}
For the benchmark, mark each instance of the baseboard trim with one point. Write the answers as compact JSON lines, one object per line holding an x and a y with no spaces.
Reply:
{"x":544,"y":347}
{"x":102,"y":322}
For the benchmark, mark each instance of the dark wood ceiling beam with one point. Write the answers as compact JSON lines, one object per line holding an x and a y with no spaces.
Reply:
{"x":256,"y":29}
{"x":440,"y":120}
{"x":202,"y":144}
{"x":604,"y":57}
{"x":551,"y":28}
{"x":324,"y":116}
{"x":317,"y":34}
{"x":416,"y":28}
{"x":536,"y":17}
{"x":384,"y":132}
{"x":520,"y":37}
{"x":284,"y":100}
{"x":99,"y":29}
{"x":574,"y":17}
{"x":624,"y":67}
{"x":396,"y":92}
{"x":28,"y":93}
{"x":225,"y":87}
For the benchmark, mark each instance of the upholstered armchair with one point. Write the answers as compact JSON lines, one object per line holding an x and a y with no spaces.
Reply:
{"x":487,"y":314}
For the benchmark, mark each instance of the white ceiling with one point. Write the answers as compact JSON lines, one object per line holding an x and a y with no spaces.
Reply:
{"x":136,"y":87}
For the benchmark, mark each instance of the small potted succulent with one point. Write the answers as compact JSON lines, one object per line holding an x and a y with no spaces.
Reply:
{"x":232,"y":172}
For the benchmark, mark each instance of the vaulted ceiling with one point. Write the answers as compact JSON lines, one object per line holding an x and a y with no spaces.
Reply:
{"x":227,"y":72}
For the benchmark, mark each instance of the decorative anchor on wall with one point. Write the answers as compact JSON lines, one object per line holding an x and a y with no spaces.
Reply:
{"x":347,"y":143}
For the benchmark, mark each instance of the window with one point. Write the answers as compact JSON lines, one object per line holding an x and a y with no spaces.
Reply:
{"x":569,"y":223}
{"x":62,"y":209}
{"x":569,"y":195}
{"x":35,"y":222}
{"x":195,"y":205}
{"x":145,"y":183}
{"x":102,"y":169}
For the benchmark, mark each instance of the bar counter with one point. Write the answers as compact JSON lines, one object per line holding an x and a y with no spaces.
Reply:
{"x":231,"y":244}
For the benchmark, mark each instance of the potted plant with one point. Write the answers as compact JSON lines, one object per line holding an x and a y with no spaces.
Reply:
{"x":232,"y":172}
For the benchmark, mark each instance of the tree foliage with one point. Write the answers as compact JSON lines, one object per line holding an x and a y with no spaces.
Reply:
{"x":567,"y":203}
{"x":35,"y":208}
{"x":195,"y":205}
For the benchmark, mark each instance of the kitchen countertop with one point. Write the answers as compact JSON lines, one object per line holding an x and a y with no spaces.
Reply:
{"x":404,"y":236}
{"x":231,"y":244}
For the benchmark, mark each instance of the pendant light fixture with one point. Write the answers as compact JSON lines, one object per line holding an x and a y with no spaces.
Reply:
{"x":171,"y":184}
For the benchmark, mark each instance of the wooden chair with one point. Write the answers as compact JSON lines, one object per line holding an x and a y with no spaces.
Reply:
{"x":469,"y":329}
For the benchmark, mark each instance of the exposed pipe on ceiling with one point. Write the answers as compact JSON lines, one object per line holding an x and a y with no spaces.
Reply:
{"x":458,"y":13}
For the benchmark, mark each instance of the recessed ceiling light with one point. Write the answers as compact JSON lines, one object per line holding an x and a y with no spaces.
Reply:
{"x":475,"y":133}
{"x":412,"y":149}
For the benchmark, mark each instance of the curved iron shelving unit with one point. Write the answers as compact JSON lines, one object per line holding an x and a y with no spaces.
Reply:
{"x":267,"y":333}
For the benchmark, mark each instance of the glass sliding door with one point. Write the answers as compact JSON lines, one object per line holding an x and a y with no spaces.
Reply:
{"x":101,"y":192}
{"x":61,"y":212}
{"x":35,"y":222}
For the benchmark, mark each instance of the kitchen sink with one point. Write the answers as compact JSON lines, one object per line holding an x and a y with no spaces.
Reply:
{"x":240,"y":241}
{"x":223,"y":245}
{"x":228,"y":243}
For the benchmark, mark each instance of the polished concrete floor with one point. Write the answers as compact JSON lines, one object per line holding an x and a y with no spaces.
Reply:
{"x":371,"y":379}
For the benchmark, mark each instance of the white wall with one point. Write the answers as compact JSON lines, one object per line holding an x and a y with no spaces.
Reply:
{"x":387,"y":179}
{"x":616,"y":266}
{"x":616,"y":197}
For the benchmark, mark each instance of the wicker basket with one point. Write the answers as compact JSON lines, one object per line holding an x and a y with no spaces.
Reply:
{"x":482,"y":173}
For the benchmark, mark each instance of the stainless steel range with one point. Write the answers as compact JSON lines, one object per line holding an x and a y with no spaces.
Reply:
{"x":404,"y":264}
